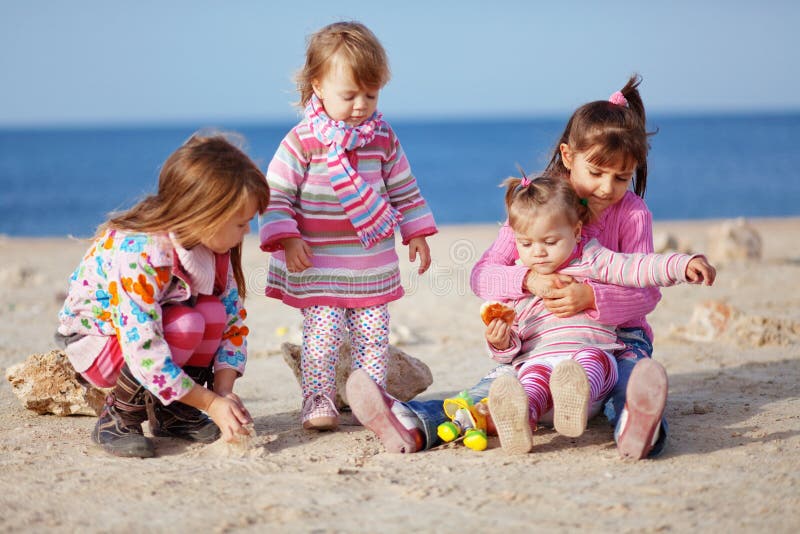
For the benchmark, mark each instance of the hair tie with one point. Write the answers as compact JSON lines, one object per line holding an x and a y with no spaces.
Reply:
{"x":618,"y":98}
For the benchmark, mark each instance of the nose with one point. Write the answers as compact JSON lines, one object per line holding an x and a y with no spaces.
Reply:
{"x":539,"y":250}
{"x":605,"y":188}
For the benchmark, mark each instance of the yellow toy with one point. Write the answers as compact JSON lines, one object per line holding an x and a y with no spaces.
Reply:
{"x":467,"y":421}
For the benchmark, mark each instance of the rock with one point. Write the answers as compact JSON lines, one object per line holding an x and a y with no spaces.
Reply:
{"x":664,"y":242}
{"x":47,"y":383}
{"x":407,"y":376}
{"x":714,"y":320}
{"x":734,"y":240}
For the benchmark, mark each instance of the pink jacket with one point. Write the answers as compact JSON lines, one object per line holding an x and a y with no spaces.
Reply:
{"x":627,"y":226}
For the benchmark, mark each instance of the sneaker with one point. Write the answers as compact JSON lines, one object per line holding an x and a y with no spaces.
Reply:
{"x":395,"y":425}
{"x":508,"y":404}
{"x":645,"y":399}
{"x":319,"y":413}
{"x":569,"y":387}
{"x":179,"y":420}
{"x":120,"y":433}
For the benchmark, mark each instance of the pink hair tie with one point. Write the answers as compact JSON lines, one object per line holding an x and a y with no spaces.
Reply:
{"x":618,"y":98}
{"x":524,"y":182}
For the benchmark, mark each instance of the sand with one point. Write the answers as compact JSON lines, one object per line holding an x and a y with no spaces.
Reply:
{"x":732,"y":464}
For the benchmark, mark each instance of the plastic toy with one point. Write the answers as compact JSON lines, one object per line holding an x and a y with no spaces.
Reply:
{"x":467,"y":421}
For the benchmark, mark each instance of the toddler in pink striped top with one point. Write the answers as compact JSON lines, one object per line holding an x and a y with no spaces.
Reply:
{"x":564,"y":363}
{"x":340,"y":184}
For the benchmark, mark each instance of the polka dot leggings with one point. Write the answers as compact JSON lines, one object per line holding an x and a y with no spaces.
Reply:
{"x":324,"y":331}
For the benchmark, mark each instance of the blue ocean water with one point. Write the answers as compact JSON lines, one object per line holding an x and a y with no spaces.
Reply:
{"x":56,"y":182}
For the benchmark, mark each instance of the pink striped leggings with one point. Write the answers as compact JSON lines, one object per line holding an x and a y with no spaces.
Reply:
{"x":534,"y":375}
{"x":324,"y":329}
{"x":192,"y":333}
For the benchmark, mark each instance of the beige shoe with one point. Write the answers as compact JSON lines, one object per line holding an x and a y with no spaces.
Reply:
{"x":508,"y":404}
{"x":319,"y":413}
{"x":569,"y":387}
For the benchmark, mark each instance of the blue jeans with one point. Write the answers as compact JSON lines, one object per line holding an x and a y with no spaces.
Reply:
{"x":431,"y":412}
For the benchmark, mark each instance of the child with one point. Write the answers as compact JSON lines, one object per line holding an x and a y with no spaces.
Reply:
{"x":340,"y":183}
{"x":601,"y":153}
{"x":554,"y":356}
{"x":154,"y":309}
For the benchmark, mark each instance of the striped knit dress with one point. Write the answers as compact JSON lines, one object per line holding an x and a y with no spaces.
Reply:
{"x":303,"y":204}
{"x":538,"y":333}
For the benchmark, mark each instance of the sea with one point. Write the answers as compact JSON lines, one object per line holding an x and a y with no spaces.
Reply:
{"x":64,"y":181}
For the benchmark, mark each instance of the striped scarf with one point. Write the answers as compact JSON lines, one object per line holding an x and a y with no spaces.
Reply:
{"x":372,"y":217}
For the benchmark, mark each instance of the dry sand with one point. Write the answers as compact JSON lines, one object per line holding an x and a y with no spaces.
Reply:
{"x":733,"y":461}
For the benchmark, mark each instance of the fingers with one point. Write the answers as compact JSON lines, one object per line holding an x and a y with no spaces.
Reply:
{"x":425,"y":261}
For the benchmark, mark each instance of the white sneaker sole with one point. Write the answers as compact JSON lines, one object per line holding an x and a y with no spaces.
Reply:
{"x":569,"y":387}
{"x":508,"y":405}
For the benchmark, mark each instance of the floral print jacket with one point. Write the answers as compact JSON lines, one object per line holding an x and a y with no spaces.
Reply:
{"x":120,"y":288}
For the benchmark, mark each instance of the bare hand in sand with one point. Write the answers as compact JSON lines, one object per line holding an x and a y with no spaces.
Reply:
{"x":230,"y":416}
{"x":298,"y":254}
{"x":699,"y":271}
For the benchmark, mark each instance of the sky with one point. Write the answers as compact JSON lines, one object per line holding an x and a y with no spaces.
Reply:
{"x":105,"y":62}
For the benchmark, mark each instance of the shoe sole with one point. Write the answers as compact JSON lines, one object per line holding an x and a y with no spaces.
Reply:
{"x":508,"y":405}
{"x":368,"y":404}
{"x":321,"y":423}
{"x":569,"y":387}
{"x":645,"y":399}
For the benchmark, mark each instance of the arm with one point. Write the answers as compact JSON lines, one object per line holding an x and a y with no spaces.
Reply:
{"x":631,"y":270}
{"x":495,"y":276}
{"x":135,"y":288}
{"x":285,"y":173}
{"x":404,"y":194}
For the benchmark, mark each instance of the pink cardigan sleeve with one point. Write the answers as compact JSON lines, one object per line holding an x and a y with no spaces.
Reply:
{"x":617,"y":304}
{"x":495,"y":276}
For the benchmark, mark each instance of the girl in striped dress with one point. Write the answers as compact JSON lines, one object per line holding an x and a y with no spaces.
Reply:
{"x":340,"y":184}
{"x":564,"y":363}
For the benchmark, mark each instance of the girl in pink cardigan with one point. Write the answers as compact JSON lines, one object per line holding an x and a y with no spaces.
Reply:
{"x":603,"y":154}
{"x":564,"y":363}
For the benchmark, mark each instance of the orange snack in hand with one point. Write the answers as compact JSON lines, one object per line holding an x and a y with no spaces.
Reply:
{"x":497,"y":310}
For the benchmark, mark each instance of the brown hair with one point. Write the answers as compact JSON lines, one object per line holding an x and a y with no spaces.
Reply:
{"x":613,"y":133}
{"x":545,"y":192}
{"x":352,"y":42}
{"x":201,"y":186}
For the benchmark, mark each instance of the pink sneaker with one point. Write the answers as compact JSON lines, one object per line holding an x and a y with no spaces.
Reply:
{"x":378,"y":412}
{"x":645,"y":399}
{"x":319,"y":413}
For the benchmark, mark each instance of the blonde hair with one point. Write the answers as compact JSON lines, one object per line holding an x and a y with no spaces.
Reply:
{"x":201,"y":186}
{"x":524,"y":202}
{"x":351,"y":42}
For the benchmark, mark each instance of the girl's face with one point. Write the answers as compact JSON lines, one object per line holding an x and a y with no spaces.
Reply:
{"x":233,"y":231}
{"x":342,"y":98}
{"x":546,"y":241}
{"x":601,"y":186}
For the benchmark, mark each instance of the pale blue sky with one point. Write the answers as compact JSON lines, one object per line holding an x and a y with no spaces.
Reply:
{"x":109,"y":62}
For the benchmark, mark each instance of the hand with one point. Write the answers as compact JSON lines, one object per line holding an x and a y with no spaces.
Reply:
{"x":419,"y":245}
{"x":498,"y":334}
{"x":570,"y":300}
{"x":298,"y":254}
{"x":542,"y":285}
{"x":230,"y":415}
{"x":699,"y":271}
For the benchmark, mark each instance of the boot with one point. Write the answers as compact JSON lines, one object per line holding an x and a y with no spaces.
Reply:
{"x":179,"y":420}
{"x":119,"y":426}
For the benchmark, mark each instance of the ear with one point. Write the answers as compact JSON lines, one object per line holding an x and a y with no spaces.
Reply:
{"x":315,"y":86}
{"x":566,"y":155}
{"x":578,"y":228}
